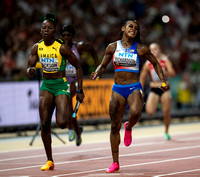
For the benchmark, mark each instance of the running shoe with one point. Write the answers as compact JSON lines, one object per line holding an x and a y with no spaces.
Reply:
{"x":167,"y":137}
{"x":127,"y":135}
{"x":49,"y":166}
{"x":78,"y":137}
{"x":71,"y":134}
{"x":113,"y":168}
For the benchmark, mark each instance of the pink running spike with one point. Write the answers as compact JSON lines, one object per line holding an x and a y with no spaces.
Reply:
{"x":113,"y":168}
{"x":127,"y":136}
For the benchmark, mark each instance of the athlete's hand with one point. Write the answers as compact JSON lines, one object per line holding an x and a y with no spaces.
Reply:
{"x":80,"y":96}
{"x":164,"y":86}
{"x":31,"y":71}
{"x":93,"y":75}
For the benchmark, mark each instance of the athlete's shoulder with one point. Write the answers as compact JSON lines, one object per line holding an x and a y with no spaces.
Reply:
{"x":79,"y":43}
{"x":164,"y":57}
{"x":40,"y":41}
{"x":149,"y":63}
{"x":59,"y":40}
{"x":82,"y":44}
{"x":142,"y":49}
{"x":34,"y":49}
{"x":142,"y":46}
{"x":112,"y":47}
{"x":113,"y":44}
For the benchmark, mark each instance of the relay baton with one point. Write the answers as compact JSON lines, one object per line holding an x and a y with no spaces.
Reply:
{"x":76,"y":109}
{"x":94,"y":77}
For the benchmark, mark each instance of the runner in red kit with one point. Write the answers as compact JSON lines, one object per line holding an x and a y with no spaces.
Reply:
{"x":156,"y":94}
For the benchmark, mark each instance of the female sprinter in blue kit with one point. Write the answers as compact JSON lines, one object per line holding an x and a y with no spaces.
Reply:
{"x":128,"y":55}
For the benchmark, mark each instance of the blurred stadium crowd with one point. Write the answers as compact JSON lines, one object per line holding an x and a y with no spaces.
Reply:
{"x":98,"y":23}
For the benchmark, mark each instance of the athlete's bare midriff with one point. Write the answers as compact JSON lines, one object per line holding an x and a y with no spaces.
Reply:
{"x":123,"y":78}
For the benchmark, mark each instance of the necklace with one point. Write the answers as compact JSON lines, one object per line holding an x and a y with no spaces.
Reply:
{"x":126,"y":45}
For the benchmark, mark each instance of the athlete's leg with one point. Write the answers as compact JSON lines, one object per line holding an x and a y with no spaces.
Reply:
{"x":74,"y":121}
{"x":63,"y":110}
{"x":152,"y":103}
{"x":166,"y":105}
{"x":117,"y":109}
{"x":135,"y":102}
{"x":46,"y":107}
{"x":74,"y":130}
{"x":71,"y":131}
{"x":72,"y":93}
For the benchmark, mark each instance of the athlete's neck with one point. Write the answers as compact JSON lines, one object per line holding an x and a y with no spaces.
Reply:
{"x":49,"y":42}
{"x":70,"y":44}
{"x":127,"y":42}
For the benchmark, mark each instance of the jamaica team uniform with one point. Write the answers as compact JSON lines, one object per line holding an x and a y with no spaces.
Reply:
{"x":52,"y":62}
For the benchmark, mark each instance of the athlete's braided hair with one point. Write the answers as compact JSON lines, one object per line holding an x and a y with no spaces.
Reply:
{"x":51,"y":17}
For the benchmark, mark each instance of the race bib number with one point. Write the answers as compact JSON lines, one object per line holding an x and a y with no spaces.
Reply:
{"x":49,"y":64}
{"x":70,"y":70}
{"x":125,"y":59}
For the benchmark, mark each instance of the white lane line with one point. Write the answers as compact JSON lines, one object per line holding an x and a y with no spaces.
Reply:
{"x":76,"y":152}
{"x":133,"y":165}
{"x":56,"y":146}
{"x":95,"y":149}
{"x":175,"y":173}
{"x":106,"y":157}
{"x":136,"y":138}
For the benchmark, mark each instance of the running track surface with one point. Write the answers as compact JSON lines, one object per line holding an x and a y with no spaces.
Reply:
{"x":152,"y":156}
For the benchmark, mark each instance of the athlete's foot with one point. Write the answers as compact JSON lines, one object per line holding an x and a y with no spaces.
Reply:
{"x":49,"y":166}
{"x":113,"y":168}
{"x":71,"y":134}
{"x":127,"y":136}
{"x":78,"y":137}
{"x":167,"y":137}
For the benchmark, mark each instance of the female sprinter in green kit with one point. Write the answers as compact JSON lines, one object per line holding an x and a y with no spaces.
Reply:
{"x":54,"y":92}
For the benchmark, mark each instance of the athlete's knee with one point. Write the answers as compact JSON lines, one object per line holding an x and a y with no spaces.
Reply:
{"x":150,"y":112}
{"x":136,"y":114}
{"x":62,"y":123}
{"x":167,"y":117}
{"x":45,"y":126}
{"x":115,"y":128}
{"x":62,"y":120}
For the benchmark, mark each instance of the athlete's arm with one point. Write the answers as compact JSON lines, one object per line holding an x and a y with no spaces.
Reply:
{"x":170,"y":70}
{"x":106,"y":60}
{"x":83,"y":47}
{"x":145,"y":53}
{"x":144,"y":73}
{"x":66,"y":52}
{"x":33,"y":59}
